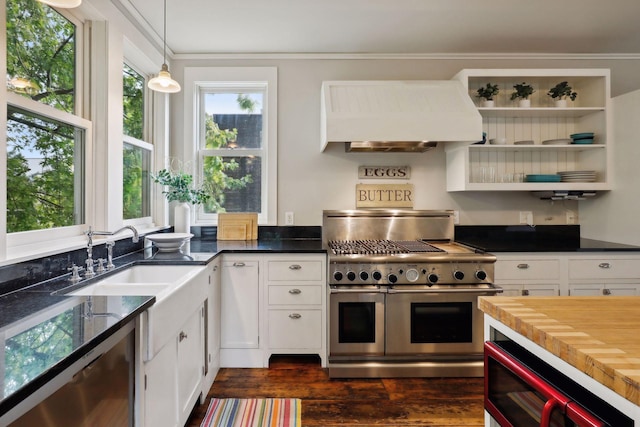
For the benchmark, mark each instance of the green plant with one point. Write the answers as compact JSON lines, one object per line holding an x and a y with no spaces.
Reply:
{"x":488,"y":92}
{"x":180,"y":187}
{"x":523,"y":91}
{"x":561,"y":91}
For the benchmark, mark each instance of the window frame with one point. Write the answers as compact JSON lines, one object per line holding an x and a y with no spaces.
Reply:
{"x":200,"y":80}
{"x":22,"y":243}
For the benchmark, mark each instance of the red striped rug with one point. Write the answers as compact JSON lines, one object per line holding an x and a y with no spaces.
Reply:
{"x":253,"y":413}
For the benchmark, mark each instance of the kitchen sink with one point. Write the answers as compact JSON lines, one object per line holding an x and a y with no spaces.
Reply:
{"x":105,"y":288}
{"x":150,"y":274}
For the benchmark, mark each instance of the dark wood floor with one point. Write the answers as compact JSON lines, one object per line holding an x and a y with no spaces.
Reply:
{"x":353,"y":402}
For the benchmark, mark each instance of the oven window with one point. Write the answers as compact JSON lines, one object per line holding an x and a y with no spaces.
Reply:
{"x":357,"y":322}
{"x":517,"y":401}
{"x":441,"y":322}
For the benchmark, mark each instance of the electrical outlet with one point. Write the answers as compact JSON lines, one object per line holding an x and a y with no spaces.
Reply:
{"x":526,"y":217}
{"x":456,"y":217}
{"x":572,"y":218}
{"x":288,"y":218}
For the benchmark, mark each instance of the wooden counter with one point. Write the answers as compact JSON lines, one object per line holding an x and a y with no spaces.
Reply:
{"x":599,"y":336}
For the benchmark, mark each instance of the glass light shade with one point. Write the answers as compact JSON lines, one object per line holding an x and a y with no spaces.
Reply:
{"x":62,"y":4}
{"x":163,"y":82}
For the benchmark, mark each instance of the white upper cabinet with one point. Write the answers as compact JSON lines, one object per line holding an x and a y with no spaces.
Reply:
{"x":488,"y":167}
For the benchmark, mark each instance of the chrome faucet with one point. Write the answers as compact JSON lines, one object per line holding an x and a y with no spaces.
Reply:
{"x":109,"y":244}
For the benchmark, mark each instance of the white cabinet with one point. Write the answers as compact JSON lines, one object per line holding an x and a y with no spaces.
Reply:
{"x":605,"y":274}
{"x":212,"y":325}
{"x":530,"y":275}
{"x":172,"y":379}
{"x":241,"y":320}
{"x":296,"y":304}
{"x":590,"y":112}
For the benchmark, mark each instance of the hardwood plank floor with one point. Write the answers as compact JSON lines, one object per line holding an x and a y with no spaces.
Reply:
{"x":353,"y":402}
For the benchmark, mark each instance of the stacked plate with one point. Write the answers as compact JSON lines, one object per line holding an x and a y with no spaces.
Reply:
{"x":578,"y":176}
{"x":562,"y":141}
{"x":542,"y":178}
{"x":582,"y":138}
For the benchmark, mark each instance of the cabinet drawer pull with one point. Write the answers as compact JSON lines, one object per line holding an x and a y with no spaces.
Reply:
{"x":604,"y":265}
{"x":295,"y":267}
{"x":295,"y":291}
{"x":295,"y":316}
{"x":606,"y":291}
{"x":523,"y":266}
{"x":239,"y":264}
{"x":182,"y":336}
{"x":525,"y":292}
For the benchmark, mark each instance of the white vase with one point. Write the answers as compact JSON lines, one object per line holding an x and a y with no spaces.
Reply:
{"x":561,"y":103}
{"x":488,"y":103}
{"x":524,"y":103}
{"x":182,"y":218}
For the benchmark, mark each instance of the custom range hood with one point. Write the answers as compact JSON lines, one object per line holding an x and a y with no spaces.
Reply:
{"x":397,"y":116}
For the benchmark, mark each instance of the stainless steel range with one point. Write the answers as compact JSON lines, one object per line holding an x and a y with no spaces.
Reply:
{"x":403,"y":295}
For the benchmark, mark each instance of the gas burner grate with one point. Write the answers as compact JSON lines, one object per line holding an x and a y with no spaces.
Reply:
{"x":374,"y":247}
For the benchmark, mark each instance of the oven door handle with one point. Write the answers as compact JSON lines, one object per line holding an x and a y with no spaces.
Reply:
{"x":374,"y":290}
{"x":491,"y":291}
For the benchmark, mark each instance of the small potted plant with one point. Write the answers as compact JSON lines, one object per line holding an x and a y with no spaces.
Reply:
{"x":522,"y":93}
{"x":487,"y":93}
{"x":180,"y":189}
{"x":561,"y":92}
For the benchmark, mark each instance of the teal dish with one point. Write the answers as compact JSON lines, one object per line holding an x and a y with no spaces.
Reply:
{"x":584,"y":135}
{"x":583,"y":141}
{"x":543,"y":178}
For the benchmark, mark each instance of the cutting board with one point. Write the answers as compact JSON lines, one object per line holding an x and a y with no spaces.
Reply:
{"x":237,"y":226}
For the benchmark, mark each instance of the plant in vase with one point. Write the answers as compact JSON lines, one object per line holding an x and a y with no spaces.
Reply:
{"x":561,"y":92}
{"x":522,"y":93}
{"x":487,"y":93}
{"x":180,"y":188}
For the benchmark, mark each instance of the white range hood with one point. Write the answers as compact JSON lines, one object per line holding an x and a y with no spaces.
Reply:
{"x":397,"y":115}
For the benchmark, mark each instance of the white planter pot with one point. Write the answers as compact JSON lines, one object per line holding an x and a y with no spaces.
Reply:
{"x":488,"y":103}
{"x":182,"y":218}
{"x":561,"y":103}
{"x":524,"y":103}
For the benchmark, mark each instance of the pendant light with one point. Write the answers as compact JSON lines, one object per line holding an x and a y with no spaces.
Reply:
{"x":62,"y":4}
{"x":163,"y":81}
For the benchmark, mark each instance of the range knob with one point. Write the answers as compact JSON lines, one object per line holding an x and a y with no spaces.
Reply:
{"x":481,"y":275}
{"x":412,"y":275}
{"x":351,"y":276}
{"x":432,"y":278}
{"x":364,"y":275}
{"x":458,"y":275}
{"x":392,"y":278}
{"x":376,"y":275}
{"x":337,"y":276}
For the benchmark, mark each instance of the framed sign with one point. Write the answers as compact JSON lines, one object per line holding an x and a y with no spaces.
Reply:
{"x":384,"y":172}
{"x":384,"y":195}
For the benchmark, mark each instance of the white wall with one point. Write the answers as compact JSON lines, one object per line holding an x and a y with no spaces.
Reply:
{"x":310,"y":181}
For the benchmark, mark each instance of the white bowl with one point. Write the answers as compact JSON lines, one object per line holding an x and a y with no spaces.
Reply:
{"x":169,"y":242}
{"x":498,"y":141}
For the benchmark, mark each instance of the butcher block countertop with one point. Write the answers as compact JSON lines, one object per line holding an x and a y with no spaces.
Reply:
{"x":599,"y":336}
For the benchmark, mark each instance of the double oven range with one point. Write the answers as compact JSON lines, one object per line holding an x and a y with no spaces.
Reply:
{"x":403,"y":295}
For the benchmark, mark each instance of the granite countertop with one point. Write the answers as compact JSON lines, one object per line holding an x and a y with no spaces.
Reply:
{"x":596,"y":335}
{"x":43,"y":308}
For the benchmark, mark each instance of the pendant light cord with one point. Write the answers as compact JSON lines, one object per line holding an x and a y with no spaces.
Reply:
{"x":164,"y":39}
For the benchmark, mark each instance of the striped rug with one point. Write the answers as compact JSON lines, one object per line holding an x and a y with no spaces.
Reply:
{"x":253,"y":413}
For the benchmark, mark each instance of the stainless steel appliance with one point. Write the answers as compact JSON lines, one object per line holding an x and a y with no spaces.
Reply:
{"x":522,"y":390}
{"x":403,"y":295}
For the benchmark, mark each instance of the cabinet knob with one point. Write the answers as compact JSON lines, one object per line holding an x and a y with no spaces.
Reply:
{"x":523,"y":266}
{"x":604,"y":265}
{"x":295,"y":316}
{"x":295,"y":267}
{"x":239,"y":264}
{"x":606,"y":291}
{"x":295,"y":291}
{"x":182,"y":336}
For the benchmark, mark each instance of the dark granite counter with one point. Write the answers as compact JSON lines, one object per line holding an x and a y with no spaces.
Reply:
{"x":540,"y":238}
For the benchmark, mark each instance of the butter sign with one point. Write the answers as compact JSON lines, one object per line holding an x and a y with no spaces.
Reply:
{"x":384,"y":195}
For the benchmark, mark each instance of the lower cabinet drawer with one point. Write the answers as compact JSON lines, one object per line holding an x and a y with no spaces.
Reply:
{"x":527,"y":269}
{"x":295,"y":295}
{"x":295,"y":329}
{"x":604,"y":269}
{"x":295,"y":270}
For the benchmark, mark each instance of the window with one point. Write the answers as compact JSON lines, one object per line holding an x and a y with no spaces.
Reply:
{"x":46,"y":139}
{"x":136,"y":153}
{"x":235,"y":139}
